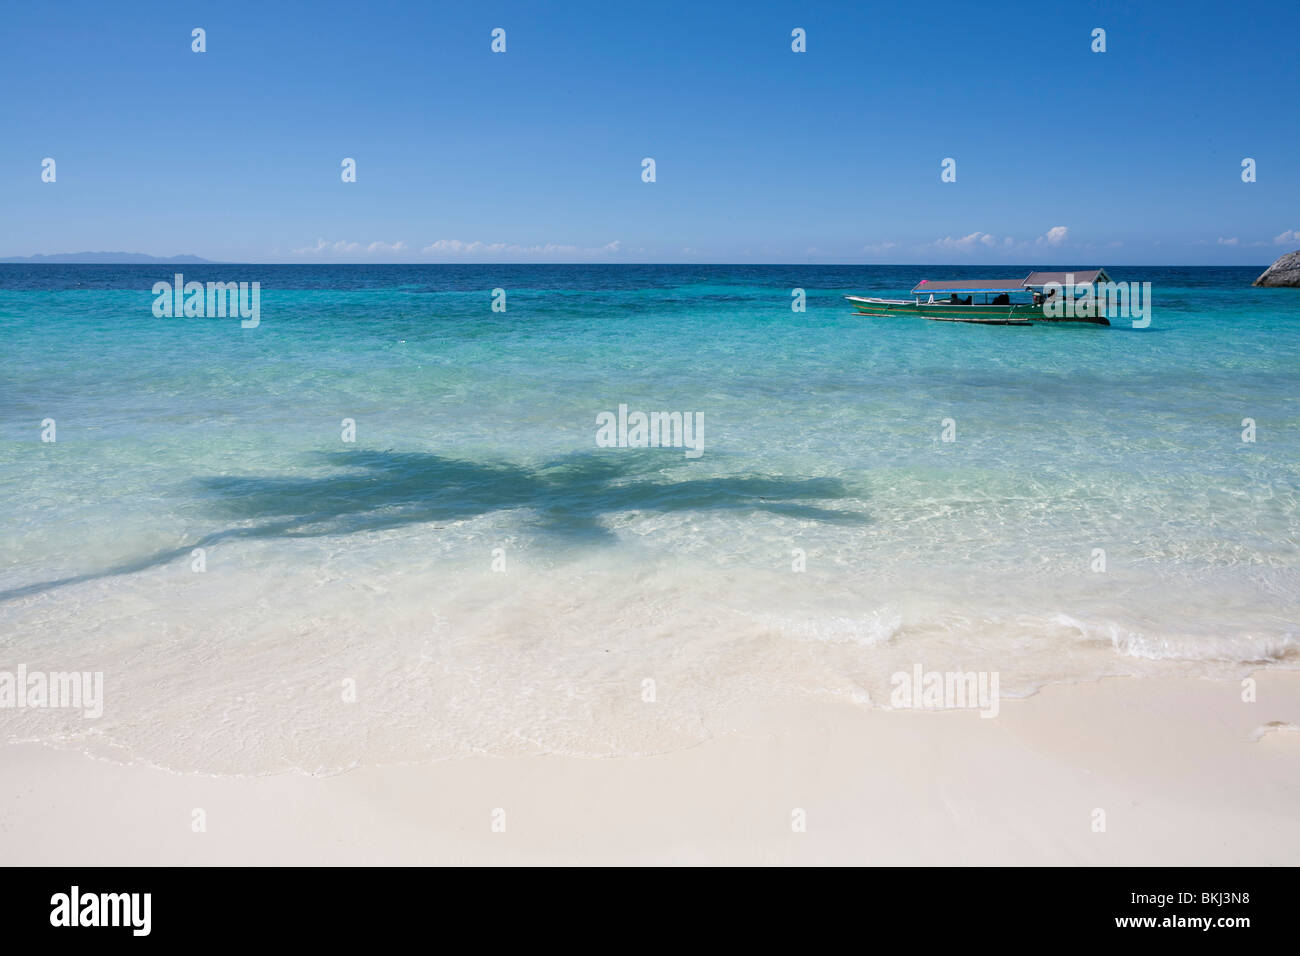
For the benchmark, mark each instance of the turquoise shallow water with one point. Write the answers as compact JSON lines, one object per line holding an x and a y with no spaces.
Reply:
{"x":372,"y":561}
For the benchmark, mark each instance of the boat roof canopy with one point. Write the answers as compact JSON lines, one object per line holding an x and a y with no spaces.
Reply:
{"x":1035,"y":280}
{"x":970,"y":285}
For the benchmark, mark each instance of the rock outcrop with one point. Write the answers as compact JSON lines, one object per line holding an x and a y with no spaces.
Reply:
{"x":1284,"y":272}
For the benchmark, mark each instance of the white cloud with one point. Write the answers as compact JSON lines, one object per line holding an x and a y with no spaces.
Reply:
{"x":457,"y":248}
{"x":1228,"y":242}
{"x":1055,"y":236}
{"x":967,"y":242}
{"x":461,"y":248}
{"x":1287,"y":237}
{"x":324,"y":247}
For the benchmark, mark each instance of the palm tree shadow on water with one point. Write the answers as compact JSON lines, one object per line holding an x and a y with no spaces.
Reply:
{"x":380,"y":490}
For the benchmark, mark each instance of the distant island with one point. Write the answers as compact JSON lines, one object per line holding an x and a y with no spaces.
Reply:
{"x":107,"y":258}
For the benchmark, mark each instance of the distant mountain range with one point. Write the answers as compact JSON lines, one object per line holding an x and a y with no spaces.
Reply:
{"x":108,"y":258}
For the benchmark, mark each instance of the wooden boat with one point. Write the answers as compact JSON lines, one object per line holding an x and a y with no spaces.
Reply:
{"x":999,"y":302}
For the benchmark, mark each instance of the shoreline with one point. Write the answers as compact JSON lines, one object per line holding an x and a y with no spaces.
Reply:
{"x":1170,"y":761}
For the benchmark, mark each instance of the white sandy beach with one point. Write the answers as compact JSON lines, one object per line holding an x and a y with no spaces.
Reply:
{"x":1178,"y":766}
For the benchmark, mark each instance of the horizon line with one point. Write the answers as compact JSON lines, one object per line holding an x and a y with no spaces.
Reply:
{"x":44,"y":261}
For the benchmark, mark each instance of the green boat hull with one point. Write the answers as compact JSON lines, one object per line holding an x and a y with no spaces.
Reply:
{"x":1018,"y":314}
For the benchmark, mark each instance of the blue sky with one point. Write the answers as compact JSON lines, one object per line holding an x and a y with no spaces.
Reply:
{"x":762,"y":154}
